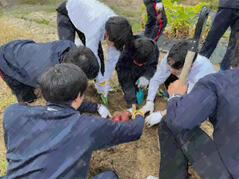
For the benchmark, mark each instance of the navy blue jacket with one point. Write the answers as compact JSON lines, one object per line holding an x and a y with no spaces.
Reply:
{"x":26,"y":60}
{"x":56,"y":141}
{"x":234,"y":4}
{"x":215,"y":96}
{"x":128,"y":72}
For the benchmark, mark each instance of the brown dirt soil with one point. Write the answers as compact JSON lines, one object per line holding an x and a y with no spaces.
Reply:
{"x":134,"y":160}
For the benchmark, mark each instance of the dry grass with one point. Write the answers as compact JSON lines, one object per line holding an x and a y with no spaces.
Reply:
{"x":8,"y":33}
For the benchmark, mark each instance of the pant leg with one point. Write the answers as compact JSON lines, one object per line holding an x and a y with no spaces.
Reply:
{"x":65,"y":28}
{"x":106,"y":175}
{"x":219,"y":26}
{"x":23,"y":92}
{"x":170,"y":80}
{"x":227,"y":60}
{"x":173,"y":163}
{"x":202,"y":153}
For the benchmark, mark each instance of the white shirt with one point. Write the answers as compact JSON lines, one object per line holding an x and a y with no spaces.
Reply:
{"x":201,"y":67}
{"x":90,"y":16}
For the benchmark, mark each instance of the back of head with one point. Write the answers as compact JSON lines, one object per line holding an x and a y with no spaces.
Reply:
{"x":143,"y":50}
{"x":119,"y":31}
{"x":178,"y":53}
{"x":84,"y":58}
{"x":62,"y":83}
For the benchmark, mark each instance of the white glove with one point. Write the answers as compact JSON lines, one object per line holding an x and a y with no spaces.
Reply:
{"x":103,"y":88}
{"x":151,"y":177}
{"x":153,"y":118}
{"x":142,"y":82}
{"x":103,"y":111}
{"x":148,"y":107}
{"x":159,"y":6}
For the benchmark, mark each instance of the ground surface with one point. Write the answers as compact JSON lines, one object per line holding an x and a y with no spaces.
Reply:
{"x":134,"y":160}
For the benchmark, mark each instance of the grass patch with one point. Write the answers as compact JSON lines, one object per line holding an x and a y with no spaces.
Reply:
{"x":3,"y":167}
{"x":42,"y":21}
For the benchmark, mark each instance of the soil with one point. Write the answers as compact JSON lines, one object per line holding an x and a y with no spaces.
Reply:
{"x":134,"y":160}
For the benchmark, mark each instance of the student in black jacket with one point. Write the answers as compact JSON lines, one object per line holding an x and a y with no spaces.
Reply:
{"x":157,"y":19}
{"x":136,"y":66}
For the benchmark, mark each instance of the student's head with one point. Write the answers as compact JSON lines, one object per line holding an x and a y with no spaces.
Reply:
{"x":84,"y":58}
{"x":118,"y":32}
{"x":177,"y":56}
{"x":143,"y":50}
{"x":64,"y":84}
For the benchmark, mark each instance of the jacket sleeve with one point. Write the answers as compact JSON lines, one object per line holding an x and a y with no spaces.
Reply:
{"x":160,"y":76}
{"x":189,"y":111}
{"x":88,"y":107}
{"x":152,"y":64}
{"x":125,"y":79}
{"x":109,"y":133}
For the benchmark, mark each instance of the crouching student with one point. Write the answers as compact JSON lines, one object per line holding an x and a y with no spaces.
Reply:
{"x":56,"y":141}
{"x":136,"y":65}
{"x":173,"y":63}
{"x":94,"y":22}
{"x":181,"y":138}
{"x":22,"y":62}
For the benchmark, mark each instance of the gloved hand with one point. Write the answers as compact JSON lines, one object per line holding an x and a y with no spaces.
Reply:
{"x":103,"y":88}
{"x":142,"y":82}
{"x":153,"y":118}
{"x":148,"y":107}
{"x":159,"y":6}
{"x":103,"y":111}
{"x":151,"y":177}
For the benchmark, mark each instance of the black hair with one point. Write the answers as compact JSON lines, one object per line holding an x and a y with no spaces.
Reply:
{"x":84,"y":58}
{"x":119,"y":31}
{"x":62,"y":83}
{"x":178,"y":53}
{"x":143,"y":49}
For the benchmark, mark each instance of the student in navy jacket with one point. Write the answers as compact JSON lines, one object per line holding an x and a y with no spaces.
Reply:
{"x":56,"y":141}
{"x":136,"y":66}
{"x":157,"y":19}
{"x":22,"y":62}
{"x":227,"y":16}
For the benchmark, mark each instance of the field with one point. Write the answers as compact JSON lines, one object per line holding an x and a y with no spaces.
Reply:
{"x":134,"y":160}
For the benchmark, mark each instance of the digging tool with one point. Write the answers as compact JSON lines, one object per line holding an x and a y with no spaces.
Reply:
{"x":104,"y":99}
{"x":191,"y":54}
{"x":140,"y":95}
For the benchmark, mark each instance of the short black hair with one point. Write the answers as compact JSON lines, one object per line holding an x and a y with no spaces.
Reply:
{"x":62,"y":83}
{"x":178,"y":53}
{"x":84,"y":58}
{"x":119,"y":31}
{"x":143,"y":49}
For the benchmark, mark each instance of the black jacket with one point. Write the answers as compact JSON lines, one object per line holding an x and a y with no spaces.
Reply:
{"x":128,"y":72}
{"x":26,"y":60}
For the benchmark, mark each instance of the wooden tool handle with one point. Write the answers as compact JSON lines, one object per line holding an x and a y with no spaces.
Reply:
{"x":187,"y":66}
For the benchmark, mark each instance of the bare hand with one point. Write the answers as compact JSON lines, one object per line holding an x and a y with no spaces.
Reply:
{"x":177,"y":87}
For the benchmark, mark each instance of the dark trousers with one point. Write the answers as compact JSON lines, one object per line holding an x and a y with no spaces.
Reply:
{"x":66,"y":31}
{"x":225,"y":18}
{"x":194,"y":146}
{"x":23,"y":92}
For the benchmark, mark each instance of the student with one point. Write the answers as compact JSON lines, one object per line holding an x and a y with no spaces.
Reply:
{"x":22,"y":62}
{"x":226,"y":16}
{"x":96,"y":22}
{"x":56,"y":141}
{"x":136,"y":65}
{"x":181,"y":139}
{"x":157,"y":19}
{"x":173,"y":63}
